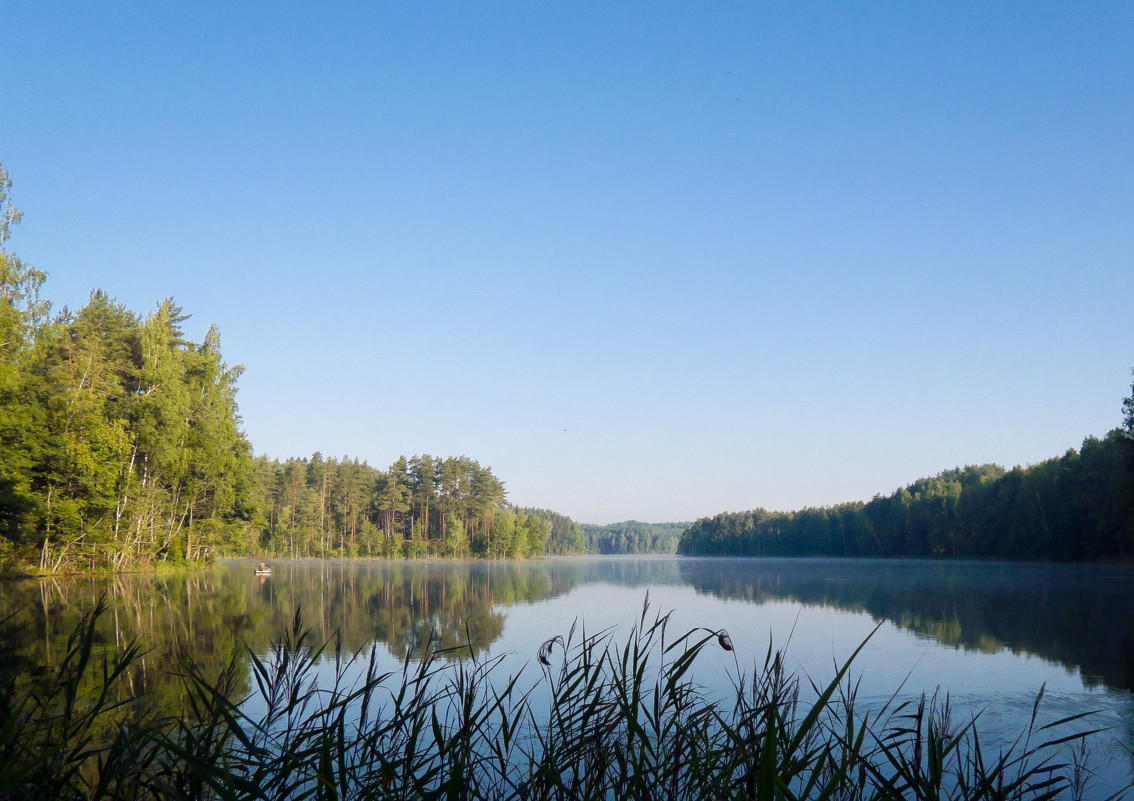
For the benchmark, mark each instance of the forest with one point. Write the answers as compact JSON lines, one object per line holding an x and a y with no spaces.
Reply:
{"x":121,"y":448}
{"x":120,"y":442}
{"x":634,"y":537}
{"x":1076,"y":507}
{"x":423,"y":506}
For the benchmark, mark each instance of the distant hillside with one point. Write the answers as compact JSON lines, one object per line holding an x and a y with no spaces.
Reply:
{"x":635,"y":537}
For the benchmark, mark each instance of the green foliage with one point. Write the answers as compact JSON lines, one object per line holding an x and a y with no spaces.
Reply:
{"x":1063,"y":509}
{"x":456,"y":541}
{"x":533,"y":535}
{"x":335,"y":508}
{"x":502,"y":536}
{"x":119,"y":439}
{"x":415,"y":547}
{"x":518,"y":535}
{"x":22,"y":313}
{"x":563,"y":535}
{"x":633,"y":537}
{"x":1078,"y":507}
{"x":120,"y":446}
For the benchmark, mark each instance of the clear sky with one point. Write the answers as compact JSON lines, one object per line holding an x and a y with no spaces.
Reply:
{"x":651,"y":261}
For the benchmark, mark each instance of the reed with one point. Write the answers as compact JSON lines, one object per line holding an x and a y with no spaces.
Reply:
{"x":597,"y":718}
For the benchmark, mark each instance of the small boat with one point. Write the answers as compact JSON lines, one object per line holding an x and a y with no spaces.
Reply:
{"x":263,"y":571}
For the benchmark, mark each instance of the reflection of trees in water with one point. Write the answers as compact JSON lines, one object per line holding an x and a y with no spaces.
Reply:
{"x":173,"y":617}
{"x":209,"y":617}
{"x":406,"y":606}
{"x":629,"y":571}
{"x":1077,"y":615}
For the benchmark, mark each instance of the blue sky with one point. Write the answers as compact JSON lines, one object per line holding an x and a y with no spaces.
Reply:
{"x":651,"y":261}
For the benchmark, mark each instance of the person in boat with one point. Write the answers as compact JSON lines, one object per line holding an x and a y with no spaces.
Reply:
{"x":263,"y":566}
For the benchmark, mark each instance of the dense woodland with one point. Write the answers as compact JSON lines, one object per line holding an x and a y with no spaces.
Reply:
{"x":634,"y":537}
{"x":121,"y":447}
{"x":1072,"y":508}
{"x":419,"y":507}
{"x":119,"y":439}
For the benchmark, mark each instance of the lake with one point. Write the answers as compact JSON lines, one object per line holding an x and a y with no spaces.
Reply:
{"x":991,"y":635}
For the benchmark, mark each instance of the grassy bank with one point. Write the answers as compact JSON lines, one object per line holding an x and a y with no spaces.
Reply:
{"x":604,"y":719}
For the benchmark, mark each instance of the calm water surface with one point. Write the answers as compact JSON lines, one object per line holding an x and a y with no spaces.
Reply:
{"x":991,"y":635}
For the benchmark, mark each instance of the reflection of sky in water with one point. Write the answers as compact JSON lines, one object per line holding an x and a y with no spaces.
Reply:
{"x":821,"y":638}
{"x":1001,"y":686}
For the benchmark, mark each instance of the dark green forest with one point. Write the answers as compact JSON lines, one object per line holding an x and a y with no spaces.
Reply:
{"x":1076,"y":507}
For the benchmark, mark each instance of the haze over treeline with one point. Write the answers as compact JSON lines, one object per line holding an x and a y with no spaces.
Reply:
{"x":121,"y":446}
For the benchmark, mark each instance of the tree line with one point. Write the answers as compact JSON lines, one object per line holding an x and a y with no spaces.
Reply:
{"x":423,"y":506}
{"x":634,"y":537}
{"x":120,"y":441}
{"x":121,"y":447}
{"x":1076,"y":507}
